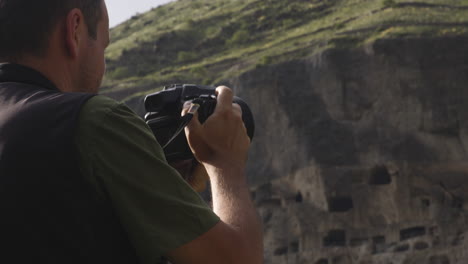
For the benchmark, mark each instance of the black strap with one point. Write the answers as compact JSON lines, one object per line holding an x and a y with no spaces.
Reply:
{"x":185,"y":120}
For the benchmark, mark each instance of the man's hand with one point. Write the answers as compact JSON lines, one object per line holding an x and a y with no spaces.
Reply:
{"x":222,"y":140}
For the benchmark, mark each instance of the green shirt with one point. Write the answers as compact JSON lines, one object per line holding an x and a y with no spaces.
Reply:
{"x":121,"y":158}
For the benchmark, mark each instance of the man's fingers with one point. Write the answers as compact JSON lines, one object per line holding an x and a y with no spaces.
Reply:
{"x":237,"y":109}
{"x":185,"y":108}
{"x":194,"y":124}
{"x":225,"y":96}
{"x":193,"y":128}
{"x":194,"y":133}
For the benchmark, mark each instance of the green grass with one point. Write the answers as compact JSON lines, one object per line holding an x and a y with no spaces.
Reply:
{"x":211,"y":41}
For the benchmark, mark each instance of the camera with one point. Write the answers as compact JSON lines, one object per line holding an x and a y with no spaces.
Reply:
{"x":163,"y":116}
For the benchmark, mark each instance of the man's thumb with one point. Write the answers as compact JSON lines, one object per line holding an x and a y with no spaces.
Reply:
{"x":194,"y":124}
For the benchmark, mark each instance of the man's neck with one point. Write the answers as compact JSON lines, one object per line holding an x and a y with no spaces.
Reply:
{"x":51,"y":69}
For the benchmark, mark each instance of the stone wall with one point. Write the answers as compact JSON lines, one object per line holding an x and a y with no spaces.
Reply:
{"x":360,"y":155}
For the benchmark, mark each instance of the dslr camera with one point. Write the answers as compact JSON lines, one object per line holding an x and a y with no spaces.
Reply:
{"x":163,"y":116}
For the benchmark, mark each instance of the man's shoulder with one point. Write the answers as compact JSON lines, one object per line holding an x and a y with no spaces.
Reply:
{"x":102,"y":115}
{"x":99,"y":105}
{"x":102,"y":109}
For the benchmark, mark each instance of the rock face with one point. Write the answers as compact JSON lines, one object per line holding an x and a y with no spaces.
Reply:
{"x":360,"y":156}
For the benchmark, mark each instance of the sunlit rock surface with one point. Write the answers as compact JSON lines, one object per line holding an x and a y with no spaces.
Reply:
{"x":360,"y":154}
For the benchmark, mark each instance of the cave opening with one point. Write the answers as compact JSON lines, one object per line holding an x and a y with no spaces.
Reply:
{"x":380,"y":176}
{"x":335,"y":238}
{"x":412,"y":232}
{"x":340,"y":204}
{"x":421,"y":245}
{"x":294,"y":246}
{"x":426,"y":202}
{"x":281,"y":251}
{"x":299,"y":197}
{"x":378,"y":244}
{"x":322,"y":261}
{"x":402,"y":248}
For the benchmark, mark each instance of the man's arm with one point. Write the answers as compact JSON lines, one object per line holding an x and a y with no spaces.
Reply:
{"x":221,"y":145}
{"x":122,"y":160}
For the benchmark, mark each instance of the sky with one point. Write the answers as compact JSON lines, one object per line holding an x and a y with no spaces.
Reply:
{"x":121,"y":10}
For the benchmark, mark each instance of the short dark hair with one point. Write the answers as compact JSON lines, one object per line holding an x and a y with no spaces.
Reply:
{"x":26,"y":25}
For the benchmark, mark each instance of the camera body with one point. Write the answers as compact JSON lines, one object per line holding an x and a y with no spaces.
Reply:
{"x":163,"y":115}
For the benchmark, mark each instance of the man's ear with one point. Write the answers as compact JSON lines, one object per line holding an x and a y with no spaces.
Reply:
{"x":74,"y":32}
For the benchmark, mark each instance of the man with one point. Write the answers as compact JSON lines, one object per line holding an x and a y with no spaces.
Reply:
{"x":82,"y":179}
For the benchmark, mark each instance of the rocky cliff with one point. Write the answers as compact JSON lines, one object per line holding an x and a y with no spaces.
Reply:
{"x":360,"y":154}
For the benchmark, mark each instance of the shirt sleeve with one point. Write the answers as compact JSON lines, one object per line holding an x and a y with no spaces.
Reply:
{"x":122,"y":159}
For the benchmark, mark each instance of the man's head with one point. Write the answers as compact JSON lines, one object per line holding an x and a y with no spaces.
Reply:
{"x":72,"y":33}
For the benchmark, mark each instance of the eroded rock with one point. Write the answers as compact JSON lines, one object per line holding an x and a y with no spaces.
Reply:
{"x":360,"y":155}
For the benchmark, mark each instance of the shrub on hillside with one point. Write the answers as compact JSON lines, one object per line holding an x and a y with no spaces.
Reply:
{"x":119,"y":73}
{"x":240,"y":37}
{"x":266,"y":60}
{"x":389,"y":3}
{"x":199,"y":71}
{"x":186,"y":56}
{"x":287,"y":23}
{"x":196,"y":5}
{"x":160,"y":11}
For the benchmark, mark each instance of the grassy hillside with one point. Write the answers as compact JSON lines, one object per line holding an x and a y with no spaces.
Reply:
{"x":207,"y":41}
